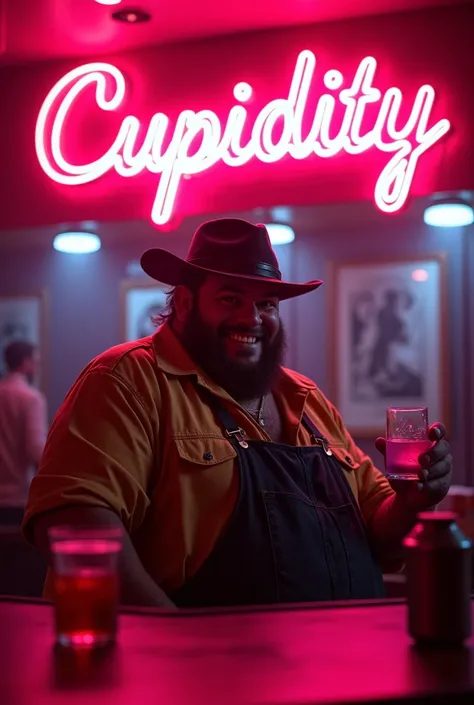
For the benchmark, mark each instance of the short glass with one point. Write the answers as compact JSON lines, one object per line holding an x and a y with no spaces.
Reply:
{"x":85,"y":583}
{"x":406,"y":439}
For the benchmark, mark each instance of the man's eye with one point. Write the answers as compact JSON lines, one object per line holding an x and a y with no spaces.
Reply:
{"x":269,"y":304}
{"x":230,"y":300}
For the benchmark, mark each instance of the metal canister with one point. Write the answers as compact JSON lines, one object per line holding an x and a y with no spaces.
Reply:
{"x":438,"y":559}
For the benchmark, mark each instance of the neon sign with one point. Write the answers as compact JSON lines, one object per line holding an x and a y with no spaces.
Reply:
{"x":222,"y":141}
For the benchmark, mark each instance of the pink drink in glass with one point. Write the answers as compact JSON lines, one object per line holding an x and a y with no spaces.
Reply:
{"x":407,"y":438}
{"x":402,"y":457}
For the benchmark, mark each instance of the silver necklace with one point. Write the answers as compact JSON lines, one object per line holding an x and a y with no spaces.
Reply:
{"x":258,"y":413}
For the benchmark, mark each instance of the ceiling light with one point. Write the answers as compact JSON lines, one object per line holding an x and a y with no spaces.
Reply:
{"x":280,"y":234}
{"x":77,"y":243}
{"x":109,"y":2}
{"x":449,"y":213}
{"x":131,"y":16}
{"x":282,"y":214}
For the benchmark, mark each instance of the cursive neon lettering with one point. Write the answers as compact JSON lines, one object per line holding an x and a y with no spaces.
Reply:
{"x":199,"y":140}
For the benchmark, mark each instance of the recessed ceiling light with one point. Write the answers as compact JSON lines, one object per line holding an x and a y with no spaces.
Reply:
{"x":77,"y":243}
{"x":280,"y":234}
{"x":131,"y":16}
{"x":109,"y":2}
{"x":449,"y":213}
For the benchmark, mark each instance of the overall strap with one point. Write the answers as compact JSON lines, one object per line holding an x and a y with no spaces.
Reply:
{"x":311,"y":426}
{"x":317,"y":436}
{"x":232,"y":430}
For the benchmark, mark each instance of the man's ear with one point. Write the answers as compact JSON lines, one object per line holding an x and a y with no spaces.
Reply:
{"x":183,"y":302}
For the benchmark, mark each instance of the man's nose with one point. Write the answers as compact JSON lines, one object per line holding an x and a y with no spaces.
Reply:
{"x":250,"y":315}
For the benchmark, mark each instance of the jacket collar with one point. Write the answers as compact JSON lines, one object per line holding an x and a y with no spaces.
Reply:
{"x":170,"y":354}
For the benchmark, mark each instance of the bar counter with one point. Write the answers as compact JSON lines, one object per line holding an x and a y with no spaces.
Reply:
{"x":314,"y":654}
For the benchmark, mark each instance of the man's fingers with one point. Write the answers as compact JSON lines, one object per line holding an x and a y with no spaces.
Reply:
{"x":436,"y":431}
{"x":439,"y":469}
{"x":380,"y":444}
{"x":436,"y":453}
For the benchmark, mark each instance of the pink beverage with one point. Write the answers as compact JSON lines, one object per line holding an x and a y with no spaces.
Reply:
{"x":401,"y":457}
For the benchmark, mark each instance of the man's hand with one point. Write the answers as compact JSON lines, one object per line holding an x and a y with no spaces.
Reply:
{"x":396,"y":516}
{"x":435,"y":474}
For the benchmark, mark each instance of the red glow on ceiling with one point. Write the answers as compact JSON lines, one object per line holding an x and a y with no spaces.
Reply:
{"x":72,"y":28}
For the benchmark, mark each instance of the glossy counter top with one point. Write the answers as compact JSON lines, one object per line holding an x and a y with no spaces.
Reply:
{"x":306,"y":654}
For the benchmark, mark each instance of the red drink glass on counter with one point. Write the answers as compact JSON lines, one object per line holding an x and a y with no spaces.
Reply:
{"x":85,"y":584}
{"x":407,"y":438}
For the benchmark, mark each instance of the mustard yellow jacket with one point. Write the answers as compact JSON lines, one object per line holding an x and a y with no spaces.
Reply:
{"x":134,"y":435}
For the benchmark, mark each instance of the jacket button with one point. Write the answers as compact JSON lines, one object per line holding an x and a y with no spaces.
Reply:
{"x":208,"y":455}
{"x":348,"y":460}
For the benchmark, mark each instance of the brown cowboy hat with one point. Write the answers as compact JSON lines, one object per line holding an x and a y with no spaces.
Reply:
{"x":228,"y":246}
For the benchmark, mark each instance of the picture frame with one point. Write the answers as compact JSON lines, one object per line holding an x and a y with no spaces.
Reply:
{"x":142,"y":299}
{"x":24,"y":317}
{"x":388,"y":342}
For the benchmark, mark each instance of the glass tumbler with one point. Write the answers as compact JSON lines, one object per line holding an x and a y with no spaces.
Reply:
{"x":85,"y":583}
{"x":407,"y":438}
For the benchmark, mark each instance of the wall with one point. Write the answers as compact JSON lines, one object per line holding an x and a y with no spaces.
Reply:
{"x":469,"y":325}
{"x":85,"y":317}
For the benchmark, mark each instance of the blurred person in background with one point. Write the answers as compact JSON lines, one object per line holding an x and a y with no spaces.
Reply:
{"x":23,"y":429}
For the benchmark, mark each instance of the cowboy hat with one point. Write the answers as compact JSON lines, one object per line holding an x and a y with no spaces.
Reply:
{"x":228,"y":246}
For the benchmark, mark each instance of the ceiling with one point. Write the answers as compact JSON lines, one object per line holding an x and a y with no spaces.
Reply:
{"x":47,"y":29}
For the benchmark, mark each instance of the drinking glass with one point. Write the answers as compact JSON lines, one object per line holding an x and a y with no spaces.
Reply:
{"x":85,"y":583}
{"x":407,"y":438}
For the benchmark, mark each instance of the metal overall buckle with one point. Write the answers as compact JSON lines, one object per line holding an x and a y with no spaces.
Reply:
{"x":323,"y":443}
{"x":239,"y":434}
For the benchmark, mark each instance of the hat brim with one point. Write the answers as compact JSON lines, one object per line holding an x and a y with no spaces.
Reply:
{"x":170,"y":269}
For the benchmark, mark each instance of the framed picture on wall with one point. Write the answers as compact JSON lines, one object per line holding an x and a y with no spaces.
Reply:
{"x":23,"y":317}
{"x":388,"y":339}
{"x":142,"y":300}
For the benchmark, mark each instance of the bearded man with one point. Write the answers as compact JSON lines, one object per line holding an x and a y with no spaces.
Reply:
{"x":233,"y":477}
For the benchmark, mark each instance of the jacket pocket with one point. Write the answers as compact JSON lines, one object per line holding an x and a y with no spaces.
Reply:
{"x":204,"y":450}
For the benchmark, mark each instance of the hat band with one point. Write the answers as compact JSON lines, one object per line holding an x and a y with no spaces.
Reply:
{"x":253,"y":269}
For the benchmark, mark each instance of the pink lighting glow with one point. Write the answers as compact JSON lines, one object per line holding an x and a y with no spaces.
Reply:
{"x":221,"y":141}
{"x":420,"y":275}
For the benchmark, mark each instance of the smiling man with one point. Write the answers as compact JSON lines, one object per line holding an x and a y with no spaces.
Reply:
{"x":234,"y":334}
{"x":234,"y":477}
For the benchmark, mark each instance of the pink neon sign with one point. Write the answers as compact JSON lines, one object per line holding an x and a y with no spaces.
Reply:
{"x":222,"y":142}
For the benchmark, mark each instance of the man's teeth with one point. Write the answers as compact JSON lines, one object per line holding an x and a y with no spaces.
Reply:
{"x":243,"y":338}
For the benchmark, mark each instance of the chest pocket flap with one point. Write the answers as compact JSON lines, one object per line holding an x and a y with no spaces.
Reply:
{"x":205,"y":450}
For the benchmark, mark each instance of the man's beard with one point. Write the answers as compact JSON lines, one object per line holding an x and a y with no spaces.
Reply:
{"x":242,"y":381}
